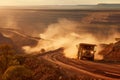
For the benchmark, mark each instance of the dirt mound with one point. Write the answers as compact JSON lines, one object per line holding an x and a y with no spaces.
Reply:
{"x":111,"y":52}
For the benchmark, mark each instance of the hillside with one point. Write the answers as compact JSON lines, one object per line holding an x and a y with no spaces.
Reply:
{"x":19,"y":38}
{"x":111,"y":52}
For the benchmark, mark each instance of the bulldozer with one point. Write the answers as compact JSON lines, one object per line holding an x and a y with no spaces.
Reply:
{"x":86,"y":51}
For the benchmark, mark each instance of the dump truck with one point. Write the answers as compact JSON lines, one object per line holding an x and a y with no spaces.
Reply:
{"x":86,"y":51}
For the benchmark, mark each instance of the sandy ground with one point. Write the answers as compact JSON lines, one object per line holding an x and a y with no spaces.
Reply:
{"x":88,"y":68}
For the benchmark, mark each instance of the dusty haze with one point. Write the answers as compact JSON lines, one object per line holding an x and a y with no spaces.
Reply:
{"x":68,"y":34}
{"x":63,"y":28}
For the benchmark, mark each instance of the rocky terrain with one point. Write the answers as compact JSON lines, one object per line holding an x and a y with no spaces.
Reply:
{"x":111,"y":52}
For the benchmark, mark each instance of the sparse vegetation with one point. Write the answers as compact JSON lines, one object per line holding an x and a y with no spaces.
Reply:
{"x":10,"y":65}
{"x":6,"y":57}
{"x":15,"y":66}
{"x":17,"y":73}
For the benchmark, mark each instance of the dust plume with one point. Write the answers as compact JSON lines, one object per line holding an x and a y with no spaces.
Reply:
{"x":67,"y":33}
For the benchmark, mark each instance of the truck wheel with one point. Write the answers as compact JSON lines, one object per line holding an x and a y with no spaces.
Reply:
{"x":92,"y":58}
{"x":80,"y":58}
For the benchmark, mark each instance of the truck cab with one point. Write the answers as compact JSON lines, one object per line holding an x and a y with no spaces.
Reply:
{"x":86,"y":51}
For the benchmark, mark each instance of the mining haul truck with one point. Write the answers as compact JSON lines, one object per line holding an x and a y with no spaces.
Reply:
{"x":86,"y":51}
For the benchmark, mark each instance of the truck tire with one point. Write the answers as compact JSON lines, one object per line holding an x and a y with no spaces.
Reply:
{"x":92,"y":58}
{"x":81,"y":58}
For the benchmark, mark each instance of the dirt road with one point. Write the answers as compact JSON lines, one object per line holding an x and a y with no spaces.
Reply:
{"x":101,"y":71}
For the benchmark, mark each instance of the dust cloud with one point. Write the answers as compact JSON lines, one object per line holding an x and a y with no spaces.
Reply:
{"x":67,"y":33}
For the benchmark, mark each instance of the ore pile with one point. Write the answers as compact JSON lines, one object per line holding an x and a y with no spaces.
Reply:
{"x":111,"y":52}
